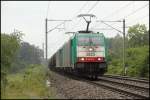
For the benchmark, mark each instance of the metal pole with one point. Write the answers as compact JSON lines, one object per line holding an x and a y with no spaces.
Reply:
{"x":46,"y":39}
{"x":124,"y":47}
{"x":46,"y":33}
{"x":43,"y":49}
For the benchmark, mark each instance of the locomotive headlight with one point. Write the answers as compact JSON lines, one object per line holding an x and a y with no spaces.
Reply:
{"x":82,"y":59}
{"x":90,"y":49}
{"x":99,"y":59}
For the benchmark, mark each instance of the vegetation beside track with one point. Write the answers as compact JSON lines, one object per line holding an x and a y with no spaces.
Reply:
{"x":137,"y":52}
{"x":22,"y":75}
{"x":28,"y":84}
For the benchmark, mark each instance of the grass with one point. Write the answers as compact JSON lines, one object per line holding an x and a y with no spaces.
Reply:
{"x":30,"y":84}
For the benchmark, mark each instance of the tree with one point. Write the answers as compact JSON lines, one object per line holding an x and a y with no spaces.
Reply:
{"x":27,"y":54}
{"x":137,"y":52}
{"x":115,"y":47}
{"x":138,"y":35}
{"x":138,"y":61}
{"x":9,"y":46}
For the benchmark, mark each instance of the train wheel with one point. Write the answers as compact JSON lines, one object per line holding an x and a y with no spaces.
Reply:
{"x":95,"y":77}
{"x":90,"y":77}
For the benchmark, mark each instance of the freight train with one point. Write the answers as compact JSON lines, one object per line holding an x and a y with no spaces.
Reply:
{"x":84,"y":54}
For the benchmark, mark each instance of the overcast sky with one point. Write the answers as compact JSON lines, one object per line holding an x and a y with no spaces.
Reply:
{"x":29,"y":17}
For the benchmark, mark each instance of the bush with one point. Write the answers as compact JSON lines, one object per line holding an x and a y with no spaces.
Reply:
{"x":138,"y":61}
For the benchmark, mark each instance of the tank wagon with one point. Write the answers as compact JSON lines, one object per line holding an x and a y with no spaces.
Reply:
{"x":85,"y":54}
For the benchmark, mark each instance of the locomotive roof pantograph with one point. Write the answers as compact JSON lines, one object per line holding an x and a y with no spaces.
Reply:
{"x":87,"y":21}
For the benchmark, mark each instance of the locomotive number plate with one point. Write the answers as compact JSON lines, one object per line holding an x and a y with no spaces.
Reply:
{"x":90,"y":54}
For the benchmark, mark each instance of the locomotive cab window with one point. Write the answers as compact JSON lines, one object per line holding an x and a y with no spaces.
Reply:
{"x":83,"y":41}
{"x":90,"y":40}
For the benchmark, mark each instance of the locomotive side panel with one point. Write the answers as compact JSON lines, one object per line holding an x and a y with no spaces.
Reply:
{"x":73,"y":50}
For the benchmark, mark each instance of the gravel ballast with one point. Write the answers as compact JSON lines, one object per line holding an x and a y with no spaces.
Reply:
{"x":68,"y":88}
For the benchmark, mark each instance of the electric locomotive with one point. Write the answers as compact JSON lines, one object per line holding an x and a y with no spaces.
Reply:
{"x":84,"y":54}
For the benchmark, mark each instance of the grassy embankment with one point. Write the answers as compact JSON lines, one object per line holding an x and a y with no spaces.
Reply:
{"x":28,"y":84}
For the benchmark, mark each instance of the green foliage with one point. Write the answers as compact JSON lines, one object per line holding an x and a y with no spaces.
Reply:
{"x":137,"y":52}
{"x":30,"y":54}
{"x":16,"y":55}
{"x":29,"y":84}
{"x":115,"y":69}
{"x":138,"y":35}
{"x":138,"y":61}
{"x":115,"y":46}
{"x":27,"y":54}
{"x":9,"y":46}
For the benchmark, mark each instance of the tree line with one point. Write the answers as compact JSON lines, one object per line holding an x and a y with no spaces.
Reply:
{"x":16,"y":55}
{"x":136,"y":52}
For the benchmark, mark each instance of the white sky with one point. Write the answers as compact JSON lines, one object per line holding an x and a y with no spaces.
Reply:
{"x":29,"y":17}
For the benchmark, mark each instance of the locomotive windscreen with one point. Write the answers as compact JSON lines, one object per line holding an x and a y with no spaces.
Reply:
{"x":90,"y":40}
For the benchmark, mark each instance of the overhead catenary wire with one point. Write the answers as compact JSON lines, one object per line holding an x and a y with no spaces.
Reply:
{"x":94,"y":5}
{"x":103,"y":29}
{"x":82,"y":8}
{"x":112,"y":21}
{"x":112,"y":27}
{"x":130,"y":15}
{"x":73,"y":16}
{"x":108,"y":28}
{"x":118,"y":10}
{"x":135,"y":11}
{"x":80,"y":11}
{"x":136,"y":19}
{"x":57,"y":26}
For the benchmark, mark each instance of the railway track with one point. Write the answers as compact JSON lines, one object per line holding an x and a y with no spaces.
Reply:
{"x":83,"y":87}
{"x":137,"y":91}
{"x":142,"y":80}
{"x":121,"y":87}
{"x":73,"y":87}
{"x":120,"y":91}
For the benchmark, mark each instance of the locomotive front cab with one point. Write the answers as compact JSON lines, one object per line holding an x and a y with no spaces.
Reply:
{"x":90,"y":48}
{"x":91,"y":53}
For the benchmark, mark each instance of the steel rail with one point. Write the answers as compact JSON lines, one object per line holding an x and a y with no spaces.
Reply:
{"x":126,"y":84}
{"x":128,"y":78}
{"x":121,"y":91}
